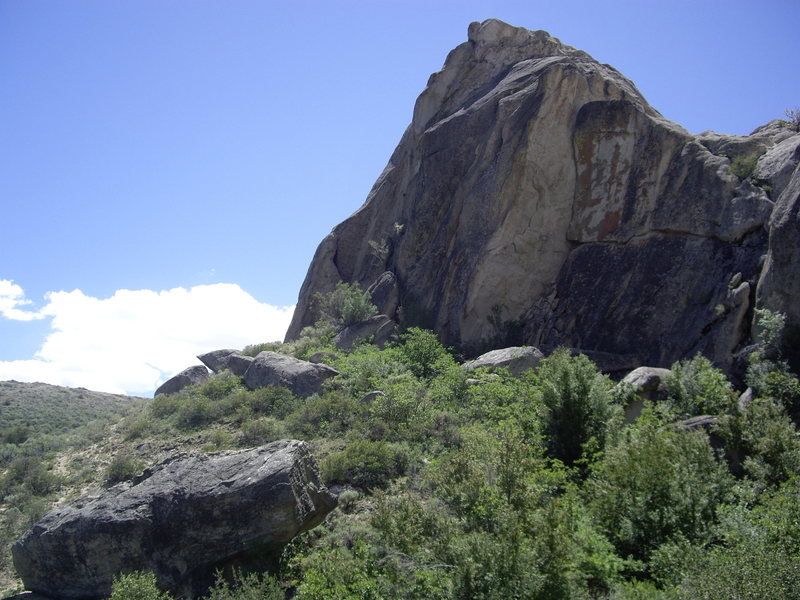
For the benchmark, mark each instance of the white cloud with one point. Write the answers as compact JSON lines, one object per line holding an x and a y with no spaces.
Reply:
{"x":12,"y":296}
{"x":134,"y":340}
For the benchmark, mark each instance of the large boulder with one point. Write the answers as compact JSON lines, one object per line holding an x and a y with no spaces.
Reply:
{"x":303,"y":378}
{"x":182,"y":520}
{"x":516,"y":359}
{"x":536,"y":180}
{"x":195,"y":375}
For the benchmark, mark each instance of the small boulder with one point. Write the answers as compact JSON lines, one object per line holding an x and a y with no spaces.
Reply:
{"x":182,"y":520}
{"x":370,"y":397}
{"x":745,"y":398}
{"x":704,"y":422}
{"x":649,"y":383}
{"x":217,"y":360}
{"x":646,"y":384}
{"x":301,"y":377}
{"x":380,"y":328}
{"x":196,"y":375}
{"x":517,"y":359}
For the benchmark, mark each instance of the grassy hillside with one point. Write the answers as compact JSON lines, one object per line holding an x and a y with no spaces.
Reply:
{"x":456,"y":485}
{"x":40,"y":425}
{"x":45,"y":409}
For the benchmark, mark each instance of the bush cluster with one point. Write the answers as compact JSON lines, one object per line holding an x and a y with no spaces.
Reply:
{"x":491,"y":486}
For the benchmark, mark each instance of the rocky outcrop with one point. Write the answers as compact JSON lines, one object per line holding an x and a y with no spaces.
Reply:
{"x":217,"y":360}
{"x":181,"y":520}
{"x":516,"y":359}
{"x":196,"y":375}
{"x":538,"y":184}
{"x":779,"y":285}
{"x":301,"y":377}
{"x":226,"y":359}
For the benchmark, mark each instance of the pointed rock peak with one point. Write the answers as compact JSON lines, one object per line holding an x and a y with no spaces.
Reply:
{"x":497,"y":33}
{"x":493,"y":34}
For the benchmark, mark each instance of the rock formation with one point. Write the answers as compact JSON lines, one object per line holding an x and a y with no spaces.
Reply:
{"x":537,"y":196}
{"x":181,"y":520}
{"x":303,"y":378}
{"x":195,"y":375}
{"x":516,"y":359}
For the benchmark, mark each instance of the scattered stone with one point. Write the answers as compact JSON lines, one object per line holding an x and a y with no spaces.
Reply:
{"x":182,"y":519}
{"x":196,"y":375}
{"x":516,"y":359}
{"x":303,"y":378}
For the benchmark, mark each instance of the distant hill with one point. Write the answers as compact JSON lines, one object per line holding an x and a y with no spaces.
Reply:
{"x":51,"y":409}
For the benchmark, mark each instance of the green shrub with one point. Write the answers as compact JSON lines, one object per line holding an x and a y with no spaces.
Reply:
{"x":138,"y":429}
{"x":137,"y":586}
{"x":754,"y":570}
{"x":259,"y":432}
{"x":254,"y":349}
{"x":346,"y":305}
{"x":422,"y":352}
{"x":220,"y":386}
{"x":365,"y":463}
{"x":250,"y":586}
{"x":744,"y":166}
{"x":578,"y":404}
{"x":122,"y":468}
{"x":367,"y":368}
{"x":273,"y":400}
{"x":793,"y":118}
{"x":761,"y":442}
{"x":696,"y":387}
{"x":657,"y":483}
{"x":195,"y":412}
{"x":332,"y":413}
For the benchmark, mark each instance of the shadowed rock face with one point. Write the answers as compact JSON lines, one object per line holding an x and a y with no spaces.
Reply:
{"x":535,"y":180}
{"x":181,"y":520}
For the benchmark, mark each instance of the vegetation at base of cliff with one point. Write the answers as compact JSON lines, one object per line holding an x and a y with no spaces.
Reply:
{"x":479,"y":485}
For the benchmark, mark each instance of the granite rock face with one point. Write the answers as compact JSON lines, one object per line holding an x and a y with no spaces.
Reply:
{"x":181,"y":520}
{"x":535,"y":182}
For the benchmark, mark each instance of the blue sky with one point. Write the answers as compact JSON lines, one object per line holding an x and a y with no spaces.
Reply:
{"x":195,"y":152}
